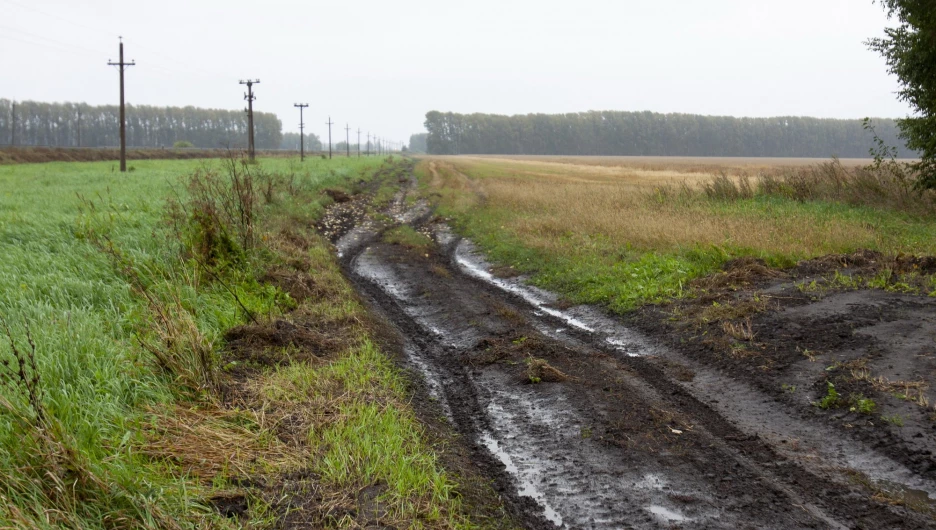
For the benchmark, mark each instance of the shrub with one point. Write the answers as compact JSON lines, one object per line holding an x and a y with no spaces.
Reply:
{"x":216,"y":220}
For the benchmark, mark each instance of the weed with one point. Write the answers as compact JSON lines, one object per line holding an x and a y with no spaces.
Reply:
{"x":739,"y":330}
{"x":861,"y":404}
{"x":811,"y":355}
{"x":831,"y":399}
{"x":788,"y":388}
{"x":216,"y":220}
{"x":895,"y":419}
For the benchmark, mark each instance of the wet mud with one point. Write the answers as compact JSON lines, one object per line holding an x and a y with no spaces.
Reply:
{"x":583,"y":420}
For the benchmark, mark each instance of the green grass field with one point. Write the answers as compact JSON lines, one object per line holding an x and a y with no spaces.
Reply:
{"x":103,"y":394}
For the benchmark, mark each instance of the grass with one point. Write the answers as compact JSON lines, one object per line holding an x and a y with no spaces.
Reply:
{"x":407,"y":236}
{"x":130,"y":444}
{"x":623,"y":235}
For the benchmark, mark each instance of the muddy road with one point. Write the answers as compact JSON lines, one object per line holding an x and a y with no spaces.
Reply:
{"x":583,"y":422}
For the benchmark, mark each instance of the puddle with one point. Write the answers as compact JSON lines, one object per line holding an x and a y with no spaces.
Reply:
{"x":587,"y":487}
{"x":582,"y":318}
{"x":666,"y":514}
{"x":526,"y":488}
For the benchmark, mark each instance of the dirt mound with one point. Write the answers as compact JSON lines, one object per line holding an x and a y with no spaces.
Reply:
{"x":831,"y":262}
{"x":337,"y":195}
{"x":276,"y":343}
{"x":736,"y":274}
{"x":919,"y":264}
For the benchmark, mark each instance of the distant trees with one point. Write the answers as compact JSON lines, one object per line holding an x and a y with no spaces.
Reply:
{"x":649,"y":133}
{"x":291,"y":141}
{"x":417,"y":143}
{"x":910,"y":51}
{"x":79,"y":124}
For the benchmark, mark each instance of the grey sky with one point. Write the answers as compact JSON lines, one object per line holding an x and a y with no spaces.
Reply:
{"x":380,"y":65}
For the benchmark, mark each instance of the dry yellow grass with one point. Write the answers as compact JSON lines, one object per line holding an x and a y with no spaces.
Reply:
{"x":679,"y":164}
{"x":550,"y":201}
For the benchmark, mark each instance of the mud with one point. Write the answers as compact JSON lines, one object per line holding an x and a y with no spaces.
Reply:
{"x":582,"y":420}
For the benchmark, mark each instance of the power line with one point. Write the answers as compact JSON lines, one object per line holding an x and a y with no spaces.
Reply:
{"x":54,"y":42}
{"x":58,"y":17}
{"x":200,"y":71}
{"x":56,"y":47}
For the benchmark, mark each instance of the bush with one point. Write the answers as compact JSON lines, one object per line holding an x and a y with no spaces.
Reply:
{"x":216,"y":220}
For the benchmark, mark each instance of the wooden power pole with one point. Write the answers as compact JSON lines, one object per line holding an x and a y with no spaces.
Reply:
{"x":347,"y":141}
{"x":13,"y":124}
{"x":367,"y":150}
{"x":250,"y":97}
{"x":123,"y":114}
{"x":301,"y":133}
{"x":329,"y":123}
{"x":359,"y":142}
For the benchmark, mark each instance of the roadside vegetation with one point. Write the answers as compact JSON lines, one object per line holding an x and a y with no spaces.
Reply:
{"x":622,"y":236}
{"x":184,"y":352}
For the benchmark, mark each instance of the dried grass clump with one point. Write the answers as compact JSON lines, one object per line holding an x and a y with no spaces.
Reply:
{"x":538,"y":370}
{"x":210,"y":442}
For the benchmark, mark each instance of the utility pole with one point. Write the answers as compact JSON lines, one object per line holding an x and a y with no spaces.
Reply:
{"x":347,"y":140}
{"x":123,"y":114}
{"x":329,"y":123}
{"x":78,"y":127}
{"x":367,"y":150}
{"x":359,"y":142}
{"x":13,"y":124}
{"x":301,"y":133}
{"x":250,"y":97}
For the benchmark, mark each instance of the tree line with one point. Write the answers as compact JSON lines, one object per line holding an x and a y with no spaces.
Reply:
{"x":83,"y":125}
{"x":617,"y":133}
{"x":417,"y":143}
{"x":291,"y":141}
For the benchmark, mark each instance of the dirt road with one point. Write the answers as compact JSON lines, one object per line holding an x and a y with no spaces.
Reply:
{"x":583,"y":422}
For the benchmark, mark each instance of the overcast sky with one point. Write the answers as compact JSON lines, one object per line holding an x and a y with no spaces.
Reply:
{"x":380,"y":65}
